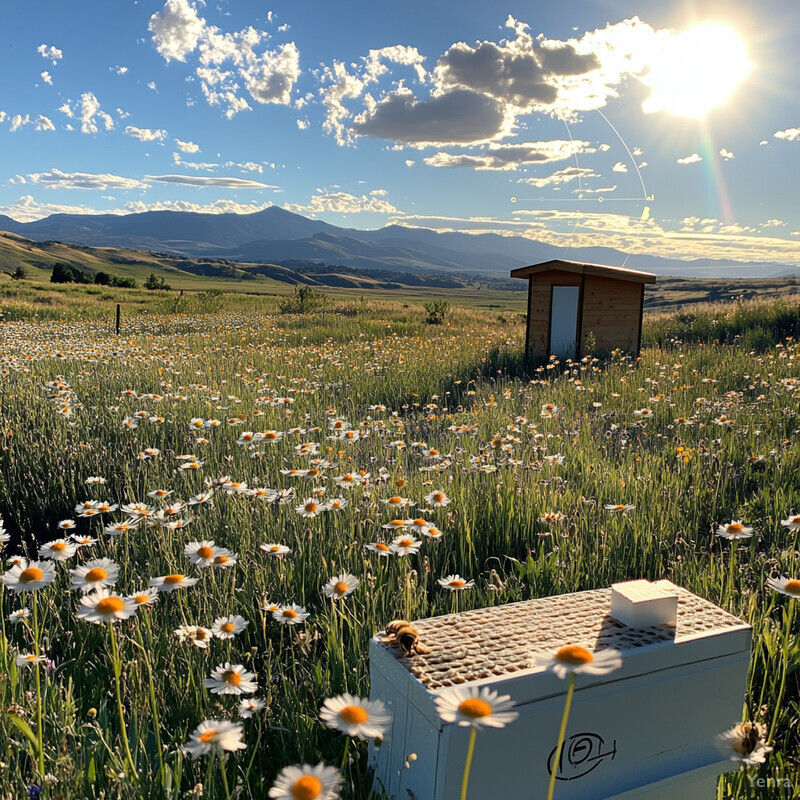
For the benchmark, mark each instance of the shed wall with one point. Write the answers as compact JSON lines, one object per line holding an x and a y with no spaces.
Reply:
{"x":609,"y":308}
{"x":539,"y":289}
{"x":612,"y":311}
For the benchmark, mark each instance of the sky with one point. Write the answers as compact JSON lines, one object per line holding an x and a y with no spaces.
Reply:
{"x":664,"y":127}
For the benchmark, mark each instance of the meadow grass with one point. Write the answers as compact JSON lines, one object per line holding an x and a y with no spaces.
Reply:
{"x":78,"y":401}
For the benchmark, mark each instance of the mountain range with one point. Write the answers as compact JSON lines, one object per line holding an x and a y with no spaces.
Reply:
{"x":275,"y":235}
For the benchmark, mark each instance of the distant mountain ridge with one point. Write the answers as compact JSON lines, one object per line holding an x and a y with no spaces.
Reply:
{"x":276,"y":235}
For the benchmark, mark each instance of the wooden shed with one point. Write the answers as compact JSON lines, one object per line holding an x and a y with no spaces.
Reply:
{"x":569,"y":301}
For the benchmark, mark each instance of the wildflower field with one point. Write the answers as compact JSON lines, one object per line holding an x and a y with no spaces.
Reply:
{"x":206,"y":519}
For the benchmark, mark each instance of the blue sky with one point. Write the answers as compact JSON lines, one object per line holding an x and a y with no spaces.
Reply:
{"x":670,"y":128}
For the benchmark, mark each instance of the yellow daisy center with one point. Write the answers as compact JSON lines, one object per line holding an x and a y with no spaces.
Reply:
{"x":419,"y":522}
{"x":438,"y":497}
{"x":382,"y":547}
{"x":232,"y":677}
{"x":109,"y":605}
{"x":395,"y":500}
{"x":572,"y":654}
{"x":59,"y":546}
{"x":228,"y":627}
{"x":141,"y":599}
{"x":96,"y":574}
{"x":792,"y":587}
{"x":205,"y":551}
{"x":341,"y":587}
{"x":309,"y":787}
{"x":289,"y":613}
{"x":405,"y":543}
{"x":457,"y":584}
{"x":354,"y":715}
{"x":221,"y":560}
{"x":275,"y":548}
{"x":173,"y":580}
{"x":310,"y":507}
{"x":795,"y":520}
{"x":208,"y":736}
{"x":474,"y":708}
{"x":735,"y":528}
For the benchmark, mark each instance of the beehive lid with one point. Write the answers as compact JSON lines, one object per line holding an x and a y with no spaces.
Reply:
{"x":498,"y":643}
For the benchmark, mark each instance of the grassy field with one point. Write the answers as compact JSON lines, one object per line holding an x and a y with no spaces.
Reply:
{"x":701,"y":431}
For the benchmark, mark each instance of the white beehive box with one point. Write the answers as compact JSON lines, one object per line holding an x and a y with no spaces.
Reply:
{"x":645,"y":730}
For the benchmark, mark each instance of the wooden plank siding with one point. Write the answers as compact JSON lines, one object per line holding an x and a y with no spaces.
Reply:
{"x":539,"y":291}
{"x":612,"y":311}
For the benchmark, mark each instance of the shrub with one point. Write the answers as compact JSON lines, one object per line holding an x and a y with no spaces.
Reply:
{"x":155,"y":282}
{"x":303,"y":300}
{"x":64,"y":273}
{"x":437,"y":311}
{"x":19,"y":274}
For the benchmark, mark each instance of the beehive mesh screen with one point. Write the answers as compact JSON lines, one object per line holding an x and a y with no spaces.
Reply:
{"x":478,"y":644}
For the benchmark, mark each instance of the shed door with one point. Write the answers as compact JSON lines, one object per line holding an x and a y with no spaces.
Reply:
{"x":564,"y":321}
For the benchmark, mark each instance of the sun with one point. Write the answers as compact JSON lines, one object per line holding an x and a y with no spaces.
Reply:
{"x":697,"y":70}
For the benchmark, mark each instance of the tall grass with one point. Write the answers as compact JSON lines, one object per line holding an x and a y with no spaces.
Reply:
{"x":457,"y":389}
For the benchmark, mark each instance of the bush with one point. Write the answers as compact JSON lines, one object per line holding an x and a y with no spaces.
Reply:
{"x":19,"y":274}
{"x":64,"y":273}
{"x":102,"y":279}
{"x":437,"y":311}
{"x":303,"y":300}
{"x":155,"y":282}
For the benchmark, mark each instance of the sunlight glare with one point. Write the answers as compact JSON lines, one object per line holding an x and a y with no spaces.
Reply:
{"x":697,"y":70}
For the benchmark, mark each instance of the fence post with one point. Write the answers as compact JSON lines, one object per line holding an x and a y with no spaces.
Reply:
{"x":118,"y":307}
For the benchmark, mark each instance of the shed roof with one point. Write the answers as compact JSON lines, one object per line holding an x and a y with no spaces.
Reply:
{"x":618,"y":273}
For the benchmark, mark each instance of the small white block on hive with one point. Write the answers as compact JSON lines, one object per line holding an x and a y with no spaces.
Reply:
{"x":640,"y":604}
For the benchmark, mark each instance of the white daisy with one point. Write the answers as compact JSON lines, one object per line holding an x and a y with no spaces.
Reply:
{"x":306,"y":783}
{"x":103,"y":606}
{"x":28,"y":658}
{"x":201,"y":553}
{"x":96,"y":574}
{"x":792,"y":523}
{"x":354,"y":716}
{"x":405,"y":545}
{"x":18,"y":616}
{"x":214,"y":736}
{"x":169,"y":583}
{"x":579,"y":660}
{"x":340,"y":586}
{"x":477,"y":707}
{"x":196,"y":634}
{"x":229,"y":627}
{"x":744,"y":743}
{"x":250,"y":706}
{"x":788,"y":586}
{"x":290,"y":614}
{"x":26,"y":576}
{"x":455,"y":583}
{"x":231,"y":679}
{"x":734,"y":530}
{"x":437,"y":499}
{"x":58,"y":550}
{"x":276,"y":549}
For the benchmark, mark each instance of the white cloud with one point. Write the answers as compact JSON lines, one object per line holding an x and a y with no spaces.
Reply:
{"x":51,"y":52}
{"x":176,"y":30}
{"x":790,"y":134}
{"x":343,"y":203}
{"x":604,"y":148}
{"x":145,"y":134}
{"x":344,"y":85}
{"x":65,"y":109}
{"x":410,"y":162}
{"x":56,"y":179}
{"x":561,"y":176}
{"x":619,"y":167}
{"x":26,"y":209}
{"x":694,"y":158}
{"x":187,"y":147}
{"x":47,"y":77}
{"x":208,"y":166}
{"x":774,"y":223}
{"x":268,"y":77}
{"x":3,"y":116}
{"x":120,"y":70}
{"x":245,"y":166}
{"x":196,"y":180}
{"x":17,"y":121}
{"x":726,"y":154}
{"x":43,"y":124}
{"x":90,"y":109}
{"x":152,"y":85}
{"x":458,"y":117}
{"x":302,"y":124}
{"x":215,"y":207}
{"x":512,"y":156}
